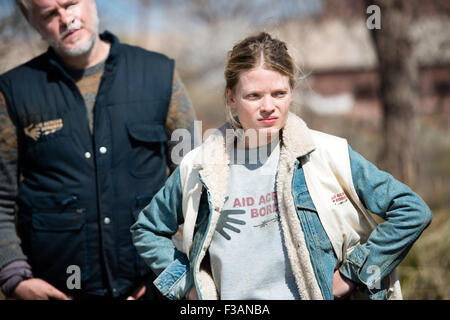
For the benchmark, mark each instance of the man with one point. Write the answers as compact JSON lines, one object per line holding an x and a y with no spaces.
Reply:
{"x":83,"y":148}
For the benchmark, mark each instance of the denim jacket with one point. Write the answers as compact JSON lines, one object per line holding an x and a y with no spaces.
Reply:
{"x":404,"y":212}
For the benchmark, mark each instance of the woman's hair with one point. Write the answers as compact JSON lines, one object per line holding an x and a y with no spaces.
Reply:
{"x":251,"y":52}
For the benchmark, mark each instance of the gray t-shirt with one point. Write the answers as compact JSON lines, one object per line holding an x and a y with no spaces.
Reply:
{"x":248,"y":256}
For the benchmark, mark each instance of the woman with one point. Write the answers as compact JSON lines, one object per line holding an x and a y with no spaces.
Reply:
{"x":272,"y":209}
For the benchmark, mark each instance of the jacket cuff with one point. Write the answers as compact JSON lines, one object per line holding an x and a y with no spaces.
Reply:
{"x":176,"y":280}
{"x":352,"y":266}
{"x":355,"y":269}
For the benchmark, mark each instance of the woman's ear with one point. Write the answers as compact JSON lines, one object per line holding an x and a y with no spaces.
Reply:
{"x":231,"y":99}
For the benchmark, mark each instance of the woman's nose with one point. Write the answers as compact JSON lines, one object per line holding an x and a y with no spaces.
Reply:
{"x":267,"y":104}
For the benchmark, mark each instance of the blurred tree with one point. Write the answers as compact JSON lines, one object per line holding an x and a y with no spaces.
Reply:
{"x":11,"y":22}
{"x":143,"y":17}
{"x":399,"y":88}
{"x":18,"y":41}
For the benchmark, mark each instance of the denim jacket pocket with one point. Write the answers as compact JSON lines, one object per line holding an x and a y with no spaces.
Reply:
{"x":303,"y":201}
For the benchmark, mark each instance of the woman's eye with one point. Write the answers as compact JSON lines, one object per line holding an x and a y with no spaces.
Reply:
{"x":280,"y":94}
{"x":253,"y":96}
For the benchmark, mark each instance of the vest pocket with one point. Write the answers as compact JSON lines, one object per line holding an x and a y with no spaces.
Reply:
{"x":57,"y":242}
{"x":147,"y":148}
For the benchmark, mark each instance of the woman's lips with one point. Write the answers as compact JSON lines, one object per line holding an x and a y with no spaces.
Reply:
{"x":268,"y":121}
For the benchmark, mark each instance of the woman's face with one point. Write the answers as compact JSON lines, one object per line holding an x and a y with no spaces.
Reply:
{"x":261,"y":99}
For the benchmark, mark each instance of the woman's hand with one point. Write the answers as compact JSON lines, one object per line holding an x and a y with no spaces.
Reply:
{"x":342,"y":286}
{"x":192,"y":294}
{"x":138,"y":293}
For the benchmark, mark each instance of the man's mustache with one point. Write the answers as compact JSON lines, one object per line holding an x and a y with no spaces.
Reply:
{"x":75,"y":24}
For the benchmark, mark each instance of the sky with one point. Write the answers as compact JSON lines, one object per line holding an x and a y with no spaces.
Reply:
{"x":123,"y":15}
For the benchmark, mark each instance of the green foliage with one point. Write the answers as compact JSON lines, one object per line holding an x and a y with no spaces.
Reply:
{"x":425,"y":273}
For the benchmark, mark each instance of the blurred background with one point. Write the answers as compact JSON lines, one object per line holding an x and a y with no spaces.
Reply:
{"x":386,"y":90}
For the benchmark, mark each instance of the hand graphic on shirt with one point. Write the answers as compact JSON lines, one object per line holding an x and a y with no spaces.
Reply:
{"x":225,"y":221}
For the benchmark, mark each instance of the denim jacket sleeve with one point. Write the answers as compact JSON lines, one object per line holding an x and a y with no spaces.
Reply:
{"x":152,"y":233}
{"x":406,"y":215}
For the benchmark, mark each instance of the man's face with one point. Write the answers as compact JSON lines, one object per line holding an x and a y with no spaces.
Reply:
{"x":69,"y":26}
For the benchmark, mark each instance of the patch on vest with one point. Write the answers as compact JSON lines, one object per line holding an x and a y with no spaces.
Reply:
{"x":35,"y":131}
{"x":339,"y":198}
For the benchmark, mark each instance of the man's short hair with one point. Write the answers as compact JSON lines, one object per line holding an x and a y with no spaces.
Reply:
{"x":25,"y":8}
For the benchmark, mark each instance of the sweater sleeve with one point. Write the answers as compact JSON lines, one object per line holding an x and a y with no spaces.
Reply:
{"x":10,"y":249}
{"x":181,"y":115}
{"x":406,"y":216}
{"x":12,"y":274}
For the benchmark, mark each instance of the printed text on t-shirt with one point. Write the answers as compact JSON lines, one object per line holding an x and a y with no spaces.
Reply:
{"x":259,"y":206}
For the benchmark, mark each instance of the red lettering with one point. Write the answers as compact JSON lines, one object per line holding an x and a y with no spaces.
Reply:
{"x":250,"y":201}
{"x":261,"y":200}
{"x":254,"y":213}
{"x":236,"y":203}
{"x":262,"y":212}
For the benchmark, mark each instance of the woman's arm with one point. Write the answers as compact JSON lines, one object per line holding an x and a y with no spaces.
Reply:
{"x":152,"y":233}
{"x":406,"y":216}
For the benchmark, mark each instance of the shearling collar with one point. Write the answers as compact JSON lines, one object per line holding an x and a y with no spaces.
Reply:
{"x":296,"y":139}
{"x":213,"y":160}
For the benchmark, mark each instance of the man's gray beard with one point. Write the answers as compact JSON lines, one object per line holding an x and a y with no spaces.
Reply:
{"x":77,"y":51}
